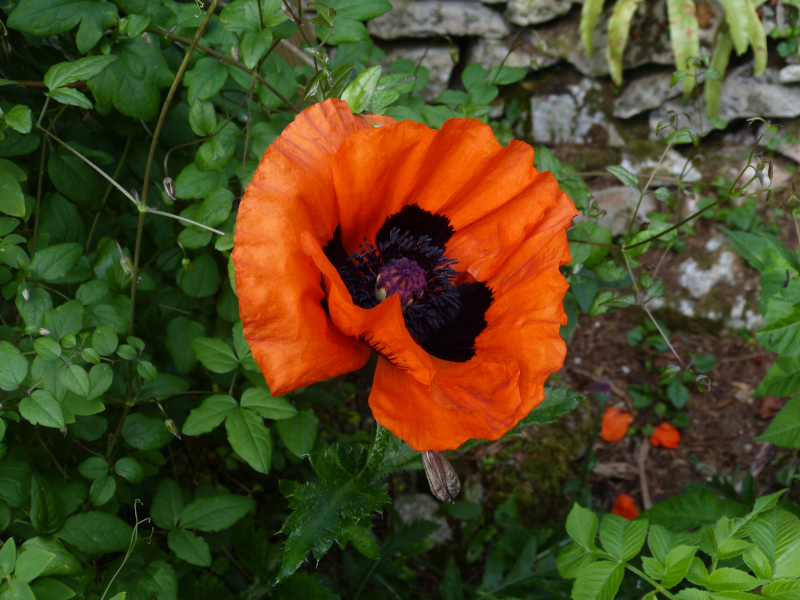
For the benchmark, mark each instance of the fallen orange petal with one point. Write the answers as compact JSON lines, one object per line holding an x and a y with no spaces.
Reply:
{"x":615,"y":424}
{"x":666,"y":435}
{"x":625,"y":506}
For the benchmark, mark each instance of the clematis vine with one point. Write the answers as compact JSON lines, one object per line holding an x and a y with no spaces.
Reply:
{"x":439,"y":250}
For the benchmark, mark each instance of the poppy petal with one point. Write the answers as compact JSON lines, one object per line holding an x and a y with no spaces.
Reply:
{"x":450,"y":411}
{"x":460,"y":172}
{"x":291,"y":338}
{"x":381,"y":328}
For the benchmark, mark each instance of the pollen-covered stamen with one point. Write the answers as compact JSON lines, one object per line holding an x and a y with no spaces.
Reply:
{"x":403,"y":277}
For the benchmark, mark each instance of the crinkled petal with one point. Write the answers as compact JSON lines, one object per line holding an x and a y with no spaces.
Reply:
{"x":463,"y":402}
{"x":459,"y":171}
{"x":382,"y":328}
{"x":278,"y":285}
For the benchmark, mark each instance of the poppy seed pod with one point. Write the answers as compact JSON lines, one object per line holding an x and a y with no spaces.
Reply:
{"x":439,"y":250}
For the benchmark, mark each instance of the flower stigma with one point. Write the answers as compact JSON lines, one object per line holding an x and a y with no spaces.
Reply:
{"x":401,"y":276}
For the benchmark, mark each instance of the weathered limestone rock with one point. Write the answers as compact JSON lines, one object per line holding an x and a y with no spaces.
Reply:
{"x":436,"y":58}
{"x":790,"y":74}
{"x":645,"y":93}
{"x":430,"y":18}
{"x":619,"y":202}
{"x":526,"y":53}
{"x":573,"y":117}
{"x":672,"y":166}
{"x":532,"y":12}
{"x":742,"y":96}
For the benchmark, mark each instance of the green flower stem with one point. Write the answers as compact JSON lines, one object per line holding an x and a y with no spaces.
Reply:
{"x":652,"y":582}
{"x":184,"y":219}
{"x":221,"y":56}
{"x":644,"y":190}
{"x":148,"y":168}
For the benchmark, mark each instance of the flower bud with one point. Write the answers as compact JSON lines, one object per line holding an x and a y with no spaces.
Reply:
{"x":173,"y":429}
{"x":169,"y":188}
{"x":441,"y":476}
{"x":44,"y":331}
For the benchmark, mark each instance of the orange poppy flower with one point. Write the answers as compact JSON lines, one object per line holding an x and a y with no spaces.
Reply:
{"x":666,"y":435}
{"x":440,"y":250}
{"x":615,"y":424}
{"x":625,"y":506}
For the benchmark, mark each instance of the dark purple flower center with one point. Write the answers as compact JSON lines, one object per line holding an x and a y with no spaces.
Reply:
{"x":401,"y":276}
{"x":408,"y":259}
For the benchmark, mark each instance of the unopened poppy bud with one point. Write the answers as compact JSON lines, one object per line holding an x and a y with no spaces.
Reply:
{"x":441,"y":476}
{"x":126,"y":265}
{"x":169,"y":188}
{"x":173,"y":429}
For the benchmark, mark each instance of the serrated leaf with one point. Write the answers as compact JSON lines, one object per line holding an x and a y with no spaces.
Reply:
{"x":215,"y":513}
{"x":783,"y":335}
{"x":582,"y":526}
{"x":249,"y":438}
{"x":758,"y":562}
{"x":598,"y":581}
{"x":784,"y":589}
{"x":323,"y":509}
{"x":784,"y":430}
{"x":677,"y":565}
{"x":777,"y":534}
{"x":726,"y":579}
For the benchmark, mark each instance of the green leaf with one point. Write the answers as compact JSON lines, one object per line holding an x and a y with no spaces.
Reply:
{"x":758,"y":563}
{"x":94,"y":467}
{"x":130,"y":469}
{"x":145,"y":433}
{"x":12,"y":201}
{"x":299,"y":432}
{"x":215,"y":513}
{"x":784,"y":589}
{"x":62,"y":74}
{"x":783,"y":378}
{"x":784,"y":430}
{"x":209,"y":415}
{"x":589,"y":14}
{"x":102,"y":490}
{"x":30,"y":564}
{"x":104,"y":340}
{"x":249,"y":438}
{"x":77,"y":380}
{"x":15,"y":482}
{"x":167,"y":504}
{"x":573,"y":559}
{"x":46,"y":348}
{"x":684,"y":32}
{"x":216,"y":208}
{"x":262,"y":402}
{"x":214,"y":354}
{"x":619,"y":26}
{"x":55,"y":261}
{"x":582,"y":527}
{"x":47,"y":509}
{"x":52,"y":589}
{"x":205,"y":79}
{"x":621,"y":538}
{"x":782,"y":336}
{"x":42,"y":408}
{"x":204,"y":279}
{"x":192,"y":183}
{"x":132,"y":82}
{"x":19,"y":118}
{"x":777,"y":534}
{"x":47,"y":17}
{"x":65,"y":320}
{"x":8,"y":556}
{"x":96,"y":533}
{"x":726,"y":579}
{"x":13,"y":367}
{"x":692,"y":510}
{"x":254,"y":47}
{"x":323,"y":509}
{"x":202,"y":117}
{"x":677,"y":565}
{"x":64,"y":562}
{"x":360,"y":91}
{"x":71,"y":97}
{"x":587,"y":254}
{"x":625,"y":176}
{"x":598,"y":581}
{"x":102,"y":16}
{"x":189,"y":547}
{"x":504,"y":75}
{"x":719,"y":60}
{"x":164,"y":385}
